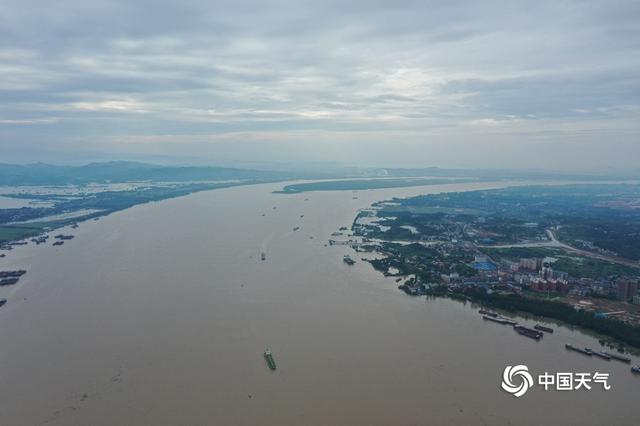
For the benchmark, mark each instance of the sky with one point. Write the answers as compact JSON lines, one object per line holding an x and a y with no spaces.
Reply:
{"x":488,"y":84}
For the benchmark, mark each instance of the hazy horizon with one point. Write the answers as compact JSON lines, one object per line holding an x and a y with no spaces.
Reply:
{"x":546,"y":86}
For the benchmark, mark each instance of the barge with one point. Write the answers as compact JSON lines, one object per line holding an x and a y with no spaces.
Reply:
{"x":576,"y":349}
{"x":528,"y":332}
{"x":618,"y":357}
{"x":499,"y":320}
{"x":543,"y":328}
{"x":602,"y":355}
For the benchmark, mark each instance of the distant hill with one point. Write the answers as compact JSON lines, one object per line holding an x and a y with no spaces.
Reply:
{"x":126,"y":171}
{"x":123,"y":171}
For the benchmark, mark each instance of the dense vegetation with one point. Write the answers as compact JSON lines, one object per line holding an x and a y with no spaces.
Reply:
{"x":99,"y":204}
{"x":425,"y":262}
{"x":363,"y":184}
{"x":605,"y":216}
{"x":121,"y":171}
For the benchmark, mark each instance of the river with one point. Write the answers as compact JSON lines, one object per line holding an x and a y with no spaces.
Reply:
{"x":159,"y":315}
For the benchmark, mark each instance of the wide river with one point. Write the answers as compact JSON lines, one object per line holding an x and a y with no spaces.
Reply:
{"x":159,"y":315}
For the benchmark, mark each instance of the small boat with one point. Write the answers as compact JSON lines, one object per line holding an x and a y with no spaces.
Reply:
{"x":635,"y":369}
{"x":348,"y":260}
{"x":618,"y":357}
{"x":296,"y":228}
{"x":268,"y":356}
{"x":3,"y":301}
{"x":602,"y":355}
{"x":576,"y":349}
{"x":491,"y":314}
{"x":263,"y":256}
{"x":543,"y":328}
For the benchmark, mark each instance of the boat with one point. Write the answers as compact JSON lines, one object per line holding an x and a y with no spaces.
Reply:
{"x":64,"y":237}
{"x":12,"y":274}
{"x":636,"y":369}
{"x":3,"y":301}
{"x":602,"y":355}
{"x":8,"y":281}
{"x":296,"y":228}
{"x":528,"y":332}
{"x":543,"y":328}
{"x":263,"y":256}
{"x":491,"y":314}
{"x":268,"y":356}
{"x":348,"y":260}
{"x":582,"y":351}
{"x":499,"y":320}
{"x":618,"y":357}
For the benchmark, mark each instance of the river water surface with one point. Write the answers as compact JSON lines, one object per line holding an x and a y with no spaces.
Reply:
{"x":159,"y":315}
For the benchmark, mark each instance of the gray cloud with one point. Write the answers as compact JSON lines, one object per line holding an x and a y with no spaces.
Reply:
{"x":144,"y":76}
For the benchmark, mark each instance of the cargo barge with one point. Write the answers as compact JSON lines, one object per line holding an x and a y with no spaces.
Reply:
{"x":499,"y":320}
{"x":602,"y":355}
{"x":528,"y":332}
{"x":618,"y":357}
{"x":582,"y":351}
{"x":268,"y":356}
{"x":543,"y":328}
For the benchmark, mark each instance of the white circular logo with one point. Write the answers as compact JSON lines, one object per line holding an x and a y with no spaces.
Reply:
{"x":520,"y":375}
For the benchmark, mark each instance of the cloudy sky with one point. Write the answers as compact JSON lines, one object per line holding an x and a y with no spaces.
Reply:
{"x":534,"y":84}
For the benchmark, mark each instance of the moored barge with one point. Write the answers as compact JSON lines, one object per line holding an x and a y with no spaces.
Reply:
{"x":543,"y":328}
{"x":499,"y":320}
{"x":576,"y":349}
{"x":528,"y":332}
{"x":618,"y":357}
